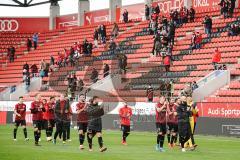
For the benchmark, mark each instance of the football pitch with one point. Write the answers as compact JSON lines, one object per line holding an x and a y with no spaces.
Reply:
{"x":141,"y":145}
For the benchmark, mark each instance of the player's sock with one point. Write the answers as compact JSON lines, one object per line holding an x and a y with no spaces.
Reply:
{"x":36,"y":136}
{"x":161,"y":141}
{"x":81,"y":139}
{"x":15,"y":133}
{"x":25,"y":132}
{"x":124,"y":137}
{"x":172,"y":139}
{"x":39,"y":134}
{"x":50,"y":131}
{"x":100,"y":142}
{"x":55,"y":134}
{"x":158,"y":139}
{"x":168,"y":137}
{"x":89,"y":141}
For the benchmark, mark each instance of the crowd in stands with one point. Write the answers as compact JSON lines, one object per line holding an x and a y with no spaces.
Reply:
{"x":234,"y":30}
{"x":11,"y":53}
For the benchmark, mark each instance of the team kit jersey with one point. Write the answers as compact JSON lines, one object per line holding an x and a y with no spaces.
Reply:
{"x":37,"y":114}
{"x":171,"y":118}
{"x":125,"y":113}
{"x":161,"y":119}
{"x":82,"y":118}
{"x":20,"y":109}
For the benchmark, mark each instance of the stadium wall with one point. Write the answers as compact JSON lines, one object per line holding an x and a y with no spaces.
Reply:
{"x":215,"y":118}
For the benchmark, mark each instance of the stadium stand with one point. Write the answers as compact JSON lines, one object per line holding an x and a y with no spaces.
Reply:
{"x":143,"y":68}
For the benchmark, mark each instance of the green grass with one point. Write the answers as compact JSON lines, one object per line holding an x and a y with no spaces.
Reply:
{"x":141,"y":146}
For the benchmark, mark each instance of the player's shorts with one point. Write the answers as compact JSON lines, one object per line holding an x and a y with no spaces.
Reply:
{"x":172,"y":127}
{"x":184,"y":129}
{"x":20,"y":122}
{"x":48,"y":123}
{"x":161,"y":127}
{"x":82,"y":126}
{"x":125,"y":128}
{"x":38,"y":124}
{"x":93,"y":132}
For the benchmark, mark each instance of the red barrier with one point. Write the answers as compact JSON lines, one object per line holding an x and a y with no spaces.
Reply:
{"x":12,"y":24}
{"x":221,"y":110}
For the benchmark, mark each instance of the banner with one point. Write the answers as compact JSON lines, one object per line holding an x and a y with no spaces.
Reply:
{"x":98,"y":16}
{"x":67,"y":21}
{"x":200,"y":5}
{"x":12,"y":24}
{"x":167,"y":5}
{"x":221,"y":110}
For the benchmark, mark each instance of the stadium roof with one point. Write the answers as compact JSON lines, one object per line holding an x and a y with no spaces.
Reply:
{"x":25,"y":3}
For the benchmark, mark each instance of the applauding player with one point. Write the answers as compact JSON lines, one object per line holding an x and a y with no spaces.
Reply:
{"x":172,"y":122}
{"x":82,"y":120}
{"x":20,"y":114}
{"x":37,"y":110}
{"x":49,"y":118}
{"x":125,"y":114}
{"x":161,"y":109}
{"x":95,"y":112}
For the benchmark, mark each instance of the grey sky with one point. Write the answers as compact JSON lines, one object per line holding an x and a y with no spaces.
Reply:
{"x":67,"y":7}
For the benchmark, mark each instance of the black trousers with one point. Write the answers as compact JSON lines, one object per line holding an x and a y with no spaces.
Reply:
{"x":184,"y":130}
{"x":61,"y":128}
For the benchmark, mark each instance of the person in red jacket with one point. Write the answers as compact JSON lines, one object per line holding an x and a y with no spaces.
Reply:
{"x":82,"y":119}
{"x":161,"y":109}
{"x":125,"y":114}
{"x":37,"y":109}
{"x":198,"y":40}
{"x":20,"y":114}
{"x":167,"y":63}
{"x":49,"y":118}
{"x":216,"y":58}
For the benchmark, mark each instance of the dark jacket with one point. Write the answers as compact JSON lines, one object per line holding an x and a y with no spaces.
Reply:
{"x":147,"y":11}
{"x":60,"y":114}
{"x":183,"y":114}
{"x":95,"y":112}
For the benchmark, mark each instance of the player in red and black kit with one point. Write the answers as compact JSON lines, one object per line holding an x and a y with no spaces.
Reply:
{"x":20,"y":114}
{"x":61,"y":110}
{"x":161,"y":109}
{"x":82,"y":119}
{"x":49,"y":118}
{"x":37,"y":109}
{"x":172,"y":122}
{"x":69,"y":119}
{"x":125,"y":114}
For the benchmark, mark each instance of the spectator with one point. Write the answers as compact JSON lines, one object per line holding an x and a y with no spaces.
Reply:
{"x":198,"y":40}
{"x":167,"y":63}
{"x":95,"y":38}
{"x":192,"y":14}
{"x":89,"y":48}
{"x":154,"y":16}
{"x":46,"y":69}
{"x":207,"y":25}
{"x":125,"y":16}
{"x":115,"y":30}
{"x":27,"y":81}
{"x":85,"y":46}
{"x":124,"y":60}
{"x":66,"y":55}
{"x":26,"y":67}
{"x":152,"y":27}
{"x":187,"y":91}
{"x":233,"y":30}
{"x":11,"y":54}
{"x":193,"y":41}
{"x":216,"y":59}
{"x":194,"y":85}
{"x":52,"y":60}
{"x":150,"y":93}
{"x":94,"y":76}
{"x":43,"y":64}
{"x":112,"y":46}
{"x":171,"y":33}
{"x":168,"y":88}
{"x":224,"y":7}
{"x":147,"y":12}
{"x":103,"y":33}
{"x":232,"y":7}
{"x":29,"y":44}
{"x":80,"y":85}
{"x":122,"y":63}
{"x":162,"y":88}
{"x":59,"y":60}
{"x":35,"y":40}
{"x":34,"y":70}
{"x":157,"y":9}
{"x":106,"y":70}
